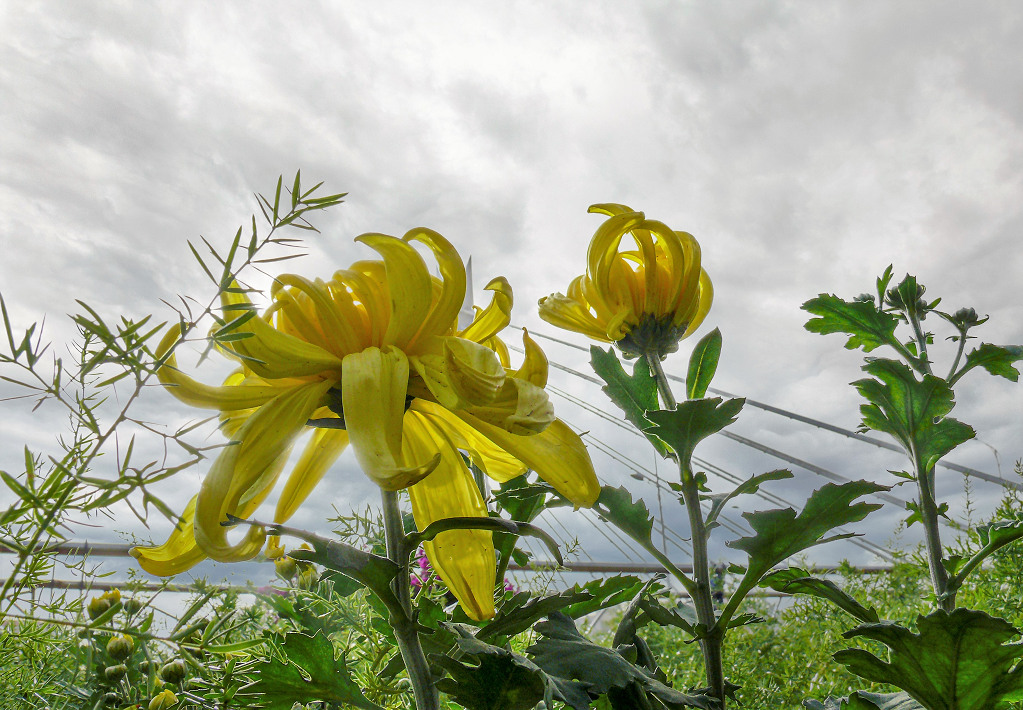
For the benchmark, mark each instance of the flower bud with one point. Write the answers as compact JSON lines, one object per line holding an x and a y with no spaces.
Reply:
{"x":115,"y":673}
{"x":132,"y":605}
{"x":173,"y":672}
{"x":163,"y":701}
{"x":120,"y":647}
{"x":285,"y":567}
{"x":101,"y":604}
{"x":308,"y":578}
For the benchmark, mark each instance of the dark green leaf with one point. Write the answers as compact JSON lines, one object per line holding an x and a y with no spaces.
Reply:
{"x":631,"y":517}
{"x":522,"y":610}
{"x":798,"y":581}
{"x":310,"y":673}
{"x":749,"y":486}
{"x":867,"y":327}
{"x":634,"y":395}
{"x":681,"y":616}
{"x":692,"y":422}
{"x":703,"y":363}
{"x":503,"y":680}
{"x":959,"y":660}
{"x":911,"y":411}
{"x":996,"y":359}
{"x":781,"y":533}
{"x":564,"y":652}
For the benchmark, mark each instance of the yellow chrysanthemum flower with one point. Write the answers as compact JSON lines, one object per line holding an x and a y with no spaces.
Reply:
{"x":645,"y":300}
{"x":375,"y":359}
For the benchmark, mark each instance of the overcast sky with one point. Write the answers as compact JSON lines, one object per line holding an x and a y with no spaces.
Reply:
{"x":806,"y":145}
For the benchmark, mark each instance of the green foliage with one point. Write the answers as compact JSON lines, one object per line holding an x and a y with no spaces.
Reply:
{"x":634,"y":394}
{"x":310,"y":672}
{"x":692,"y":422}
{"x":703,"y":363}
{"x":795,"y":580}
{"x":862,"y":700}
{"x":867,"y":326}
{"x":959,"y":660}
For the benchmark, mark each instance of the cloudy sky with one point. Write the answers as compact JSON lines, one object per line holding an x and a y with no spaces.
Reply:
{"x":806,"y":145}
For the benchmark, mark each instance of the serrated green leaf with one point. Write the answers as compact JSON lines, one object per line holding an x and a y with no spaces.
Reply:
{"x":692,"y":422}
{"x":749,"y":486}
{"x":681,"y":616}
{"x":798,"y":581}
{"x":959,"y":660}
{"x":311,"y":672}
{"x":911,"y":411}
{"x":703,"y":363}
{"x":503,"y":680}
{"x":866,"y":326}
{"x":781,"y":533}
{"x":564,"y":652}
{"x":634,"y":395}
{"x":996,"y":359}
{"x":629,"y":516}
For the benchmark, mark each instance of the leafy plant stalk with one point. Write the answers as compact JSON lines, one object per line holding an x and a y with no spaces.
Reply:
{"x":405,"y":630}
{"x":711,"y":644}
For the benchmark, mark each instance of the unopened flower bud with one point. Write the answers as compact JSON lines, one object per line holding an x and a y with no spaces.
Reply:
{"x":132,"y":605}
{"x":308,"y":578}
{"x":173,"y":672}
{"x":285,"y":567}
{"x":120,"y":647}
{"x":163,"y":701}
{"x":101,"y":604}
{"x":115,"y":673}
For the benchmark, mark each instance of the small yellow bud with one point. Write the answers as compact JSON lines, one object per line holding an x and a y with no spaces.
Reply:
{"x":120,"y":647}
{"x":99,"y":605}
{"x":308,"y":578}
{"x":163,"y":701}
{"x":115,"y":673}
{"x":285,"y":567}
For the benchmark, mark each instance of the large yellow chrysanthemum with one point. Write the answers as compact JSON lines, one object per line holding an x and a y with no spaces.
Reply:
{"x":645,"y":300}
{"x":375,"y":350}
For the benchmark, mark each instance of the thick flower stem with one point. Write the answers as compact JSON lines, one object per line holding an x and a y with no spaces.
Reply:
{"x":703,"y":599}
{"x":932,"y":538}
{"x":405,"y":631}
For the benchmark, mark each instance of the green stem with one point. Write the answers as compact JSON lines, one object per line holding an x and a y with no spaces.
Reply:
{"x":405,"y":631}
{"x":703,"y":599}
{"x":921,"y":339}
{"x":959,"y":356}
{"x":932,"y":537}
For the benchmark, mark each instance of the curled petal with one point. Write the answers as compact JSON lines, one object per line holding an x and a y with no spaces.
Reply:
{"x":520,"y":407}
{"x":339,"y":335}
{"x":535,"y":367}
{"x":557,"y":454}
{"x":464,"y":559}
{"x":564,"y":312}
{"x":409,"y":284}
{"x":490,"y":458}
{"x":495,"y":317}
{"x":459,"y":372}
{"x":319,"y":455}
{"x":452,"y":292}
{"x":705,"y":300}
{"x":374,"y":385}
{"x":244,"y":473}
{"x":180,"y":553}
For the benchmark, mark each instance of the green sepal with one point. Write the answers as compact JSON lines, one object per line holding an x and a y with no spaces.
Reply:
{"x":501,"y":679}
{"x":911,"y":411}
{"x":795,"y":580}
{"x":959,"y":660}
{"x":703,"y":363}
{"x":311,"y":672}
{"x":866,"y":325}
{"x":634,"y":395}
{"x":692,"y":422}
{"x":563,"y":652}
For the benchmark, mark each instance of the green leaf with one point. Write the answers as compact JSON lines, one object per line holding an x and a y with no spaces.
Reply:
{"x":634,"y":395}
{"x":564,"y":652}
{"x":959,"y":660}
{"x":703,"y":363}
{"x":996,"y":359}
{"x":310,"y":673}
{"x":798,"y":581}
{"x":781,"y":533}
{"x":631,"y":517}
{"x":692,"y":422}
{"x":862,"y":700}
{"x":867,"y":327}
{"x":681,"y":616}
{"x":522,"y":610}
{"x":503,"y":680}
{"x":749,"y":486}
{"x":911,"y":411}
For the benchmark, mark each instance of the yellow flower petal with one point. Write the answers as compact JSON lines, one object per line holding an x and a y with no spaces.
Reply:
{"x":495,"y":317}
{"x":244,"y":473}
{"x":271,"y":353}
{"x":464,"y":559}
{"x":563,"y":312}
{"x":338,"y":332}
{"x":374,"y":385}
{"x":520,"y":407}
{"x":459,"y":372}
{"x":410,"y":285}
{"x":196,"y":393}
{"x":178,"y":554}
{"x":490,"y":458}
{"x":535,"y":367}
{"x":319,"y":455}
{"x":706,"y":298}
{"x":557,"y":454}
{"x":452,"y":294}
